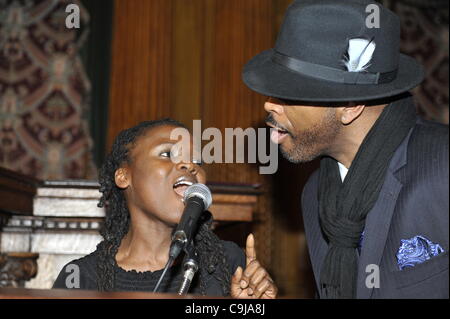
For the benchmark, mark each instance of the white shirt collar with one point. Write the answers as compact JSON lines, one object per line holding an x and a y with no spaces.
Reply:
{"x":342,"y":170}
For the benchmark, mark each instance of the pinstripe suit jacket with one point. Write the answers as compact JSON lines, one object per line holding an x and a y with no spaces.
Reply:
{"x":414,"y":200}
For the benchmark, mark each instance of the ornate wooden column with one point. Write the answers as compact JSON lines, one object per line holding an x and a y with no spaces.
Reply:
{"x":17,"y":268}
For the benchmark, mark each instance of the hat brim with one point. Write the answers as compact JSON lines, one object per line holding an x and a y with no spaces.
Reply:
{"x":266,"y":77}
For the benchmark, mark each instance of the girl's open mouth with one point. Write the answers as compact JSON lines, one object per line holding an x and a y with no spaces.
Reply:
{"x":180,"y":187}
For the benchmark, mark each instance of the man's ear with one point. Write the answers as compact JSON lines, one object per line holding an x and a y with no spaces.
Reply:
{"x":350,"y":113}
{"x":121,"y":177}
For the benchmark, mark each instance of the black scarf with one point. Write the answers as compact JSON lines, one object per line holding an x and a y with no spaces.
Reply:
{"x":343,"y":207}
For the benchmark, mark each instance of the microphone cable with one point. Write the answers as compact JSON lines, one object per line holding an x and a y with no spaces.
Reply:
{"x":168,"y":265}
{"x":175,"y":249}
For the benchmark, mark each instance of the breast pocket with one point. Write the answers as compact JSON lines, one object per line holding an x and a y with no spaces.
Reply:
{"x":426,"y":280}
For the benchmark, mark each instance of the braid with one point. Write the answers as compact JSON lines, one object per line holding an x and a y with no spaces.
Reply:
{"x":212,"y":258}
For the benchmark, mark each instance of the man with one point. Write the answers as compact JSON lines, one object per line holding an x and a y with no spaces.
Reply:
{"x":376,"y":212}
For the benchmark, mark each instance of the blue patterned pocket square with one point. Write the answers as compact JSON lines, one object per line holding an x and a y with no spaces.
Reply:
{"x":415,"y":251}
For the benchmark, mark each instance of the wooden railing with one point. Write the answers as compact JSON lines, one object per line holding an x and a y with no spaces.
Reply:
{"x":22,"y":293}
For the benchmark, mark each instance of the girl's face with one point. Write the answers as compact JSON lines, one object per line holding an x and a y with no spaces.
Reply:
{"x":154,"y":184}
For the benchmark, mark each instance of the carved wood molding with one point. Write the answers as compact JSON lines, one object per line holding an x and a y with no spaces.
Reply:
{"x":17,"y":268}
{"x":31,"y":223}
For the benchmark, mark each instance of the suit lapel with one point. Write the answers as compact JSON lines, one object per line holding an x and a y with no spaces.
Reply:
{"x":376,"y":231}
{"x":378,"y":220}
{"x":318,"y":251}
{"x":317,"y":246}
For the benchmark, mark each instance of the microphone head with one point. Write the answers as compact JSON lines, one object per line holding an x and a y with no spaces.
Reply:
{"x":199,"y":190}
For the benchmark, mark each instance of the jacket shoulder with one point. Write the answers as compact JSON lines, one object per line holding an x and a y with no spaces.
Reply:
{"x":428,"y":150}
{"x":430,"y":138}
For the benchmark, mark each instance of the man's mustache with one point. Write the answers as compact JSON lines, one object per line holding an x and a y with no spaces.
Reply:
{"x":271,"y":120}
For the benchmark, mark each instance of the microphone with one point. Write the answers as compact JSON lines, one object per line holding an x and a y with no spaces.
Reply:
{"x":197,"y":198}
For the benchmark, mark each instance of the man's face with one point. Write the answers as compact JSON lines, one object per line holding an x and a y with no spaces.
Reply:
{"x":304,"y":132}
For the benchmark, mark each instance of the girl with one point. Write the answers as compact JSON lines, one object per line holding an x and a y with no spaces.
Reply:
{"x":142,"y":188}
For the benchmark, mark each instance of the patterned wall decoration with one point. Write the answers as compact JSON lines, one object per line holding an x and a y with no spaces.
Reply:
{"x":425,"y":37}
{"x":44,"y":91}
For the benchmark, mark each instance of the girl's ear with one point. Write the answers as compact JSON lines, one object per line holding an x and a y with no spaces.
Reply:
{"x":121,"y":177}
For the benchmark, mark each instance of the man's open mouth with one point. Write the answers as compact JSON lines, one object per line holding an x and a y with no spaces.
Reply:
{"x":278,"y":134}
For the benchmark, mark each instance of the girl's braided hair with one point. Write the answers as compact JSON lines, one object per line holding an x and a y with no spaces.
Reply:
{"x":117,"y":219}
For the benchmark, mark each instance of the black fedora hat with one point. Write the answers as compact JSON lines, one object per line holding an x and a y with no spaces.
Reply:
{"x":334,"y":51}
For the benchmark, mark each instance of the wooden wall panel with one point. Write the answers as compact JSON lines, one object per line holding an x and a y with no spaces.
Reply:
{"x":240,"y":30}
{"x":140,"y":63}
{"x":187,"y":60}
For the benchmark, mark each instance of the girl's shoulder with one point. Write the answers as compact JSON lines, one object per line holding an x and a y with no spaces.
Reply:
{"x":79,"y":273}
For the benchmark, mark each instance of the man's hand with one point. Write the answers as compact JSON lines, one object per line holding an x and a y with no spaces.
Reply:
{"x":254,"y":282}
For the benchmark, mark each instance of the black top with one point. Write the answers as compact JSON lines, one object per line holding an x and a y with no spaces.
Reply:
{"x":133,"y":280}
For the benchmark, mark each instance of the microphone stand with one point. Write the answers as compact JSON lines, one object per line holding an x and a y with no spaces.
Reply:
{"x":191,"y":259}
{"x":190,"y":267}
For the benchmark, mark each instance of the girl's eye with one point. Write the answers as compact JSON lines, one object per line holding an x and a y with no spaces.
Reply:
{"x":165,"y":154}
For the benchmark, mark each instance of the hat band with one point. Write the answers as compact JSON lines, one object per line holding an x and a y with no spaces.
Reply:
{"x":327,"y":73}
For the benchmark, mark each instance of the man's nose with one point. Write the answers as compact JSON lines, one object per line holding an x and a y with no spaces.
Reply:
{"x":272,"y":107}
